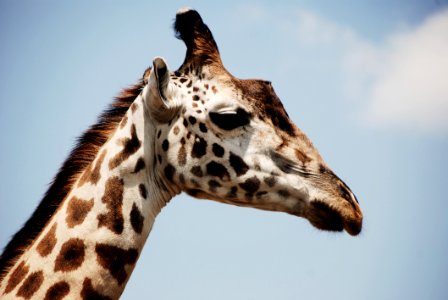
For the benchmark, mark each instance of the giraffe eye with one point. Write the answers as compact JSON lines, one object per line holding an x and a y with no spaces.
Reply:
{"x":230,"y":120}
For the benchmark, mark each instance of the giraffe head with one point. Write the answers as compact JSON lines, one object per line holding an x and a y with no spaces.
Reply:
{"x":231,"y":140}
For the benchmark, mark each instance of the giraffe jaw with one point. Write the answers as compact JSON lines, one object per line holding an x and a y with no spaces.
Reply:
{"x":320,"y":214}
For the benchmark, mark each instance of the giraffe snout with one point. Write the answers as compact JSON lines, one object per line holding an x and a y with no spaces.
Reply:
{"x":334,"y":206}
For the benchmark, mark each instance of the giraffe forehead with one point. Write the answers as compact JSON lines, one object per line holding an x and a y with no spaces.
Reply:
{"x":203,"y":91}
{"x":256,"y":95}
{"x":266,"y":105}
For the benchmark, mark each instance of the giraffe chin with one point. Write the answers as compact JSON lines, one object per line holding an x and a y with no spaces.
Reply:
{"x":324,"y":217}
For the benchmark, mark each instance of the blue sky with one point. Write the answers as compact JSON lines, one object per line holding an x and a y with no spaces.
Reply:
{"x":366,"y":80}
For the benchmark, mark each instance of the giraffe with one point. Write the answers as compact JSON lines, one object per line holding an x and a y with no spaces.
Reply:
{"x":197,"y":130}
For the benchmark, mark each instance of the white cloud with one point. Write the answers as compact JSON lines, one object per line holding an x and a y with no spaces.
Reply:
{"x":409,"y":87}
{"x":401,"y":82}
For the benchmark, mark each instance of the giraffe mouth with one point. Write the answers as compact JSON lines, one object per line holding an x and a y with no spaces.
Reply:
{"x":324,"y":217}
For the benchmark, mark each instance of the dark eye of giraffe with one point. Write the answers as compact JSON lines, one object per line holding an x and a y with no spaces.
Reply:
{"x":230,"y":120}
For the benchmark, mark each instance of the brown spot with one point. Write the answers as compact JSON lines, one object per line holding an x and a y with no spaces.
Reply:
{"x":195,"y":183}
{"x":77,"y":211}
{"x":169,"y":172}
{"x":195,"y":105}
{"x":199,"y":147}
{"x":142,"y":190}
{"x":283,"y":193}
{"x":206,"y":86}
{"x":195,"y":98}
{"x":249,"y":196}
{"x":71,"y":255}
{"x":214,"y":89}
{"x":216,"y":169}
{"x":192,"y":120}
{"x":202,"y":127}
{"x":16,"y":277}
{"x":176,"y":130}
{"x":260,"y":194}
{"x":238,"y":164}
{"x":182,"y":80}
{"x":31,"y":284}
{"x":270,"y":181}
{"x":165,"y":145}
{"x":136,"y":219}
{"x":302,"y":156}
{"x":113,"y":198}
{"x":195,"y":89}
{"x":182,"y":178}
{"x":284,"y":144}
{"x":130,"y":146}
{"x":218,"y":150}
{"x":89,"y":293}
{"x":190,"y":83}
{"x":57,"y":291}
{"x":251,"y":185}
{"x":182,"y":155}
{"x":140,"y":165}
{"x":48,"y":242}
{"x":95,"y":175}
{"x":134,"y":107}
{"x":213,"y":185}
{"x":114,"y":259}
{"x":196,"y":171}
{"x":233,"y":192}
{"x":92,"y":174}
{"x":123,"y":121}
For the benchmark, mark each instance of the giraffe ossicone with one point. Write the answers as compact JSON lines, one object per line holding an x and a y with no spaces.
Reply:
{"x":197,"y":130}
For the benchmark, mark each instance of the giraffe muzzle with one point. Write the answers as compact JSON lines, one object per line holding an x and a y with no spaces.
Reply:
{"x":326,"y":217}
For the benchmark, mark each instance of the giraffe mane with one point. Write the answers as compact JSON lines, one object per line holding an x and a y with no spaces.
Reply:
{"x":85,"y":151}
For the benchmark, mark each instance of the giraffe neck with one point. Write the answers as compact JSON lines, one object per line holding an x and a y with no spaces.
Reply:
{"x":91,"y":244}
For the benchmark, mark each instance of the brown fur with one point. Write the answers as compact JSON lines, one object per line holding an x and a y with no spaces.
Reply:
{"x":140,"y":165}
{"x":88,"y":292}
{"x":114,"y":259}
{"x":81,"y":156}
{"x":137,"y":219}
{"x":71,"y":255}
{"x":302,"y":156}
{"x":77,"y":211}
{"x":57,"y":291}
{"x":16,"y":277}
{"x":113,"y":198}
{"x":31,"y":284}
{"x":92,"y":173}
{"x":47,"y":244}
{"x":130,"y":146}
{"x":143,"y":191}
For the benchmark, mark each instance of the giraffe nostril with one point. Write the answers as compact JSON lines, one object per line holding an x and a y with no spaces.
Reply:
{"x":347,"y":194}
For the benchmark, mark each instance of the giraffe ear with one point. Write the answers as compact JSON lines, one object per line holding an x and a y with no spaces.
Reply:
{"x":155,"y":92}
{"x":201,"y":46}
